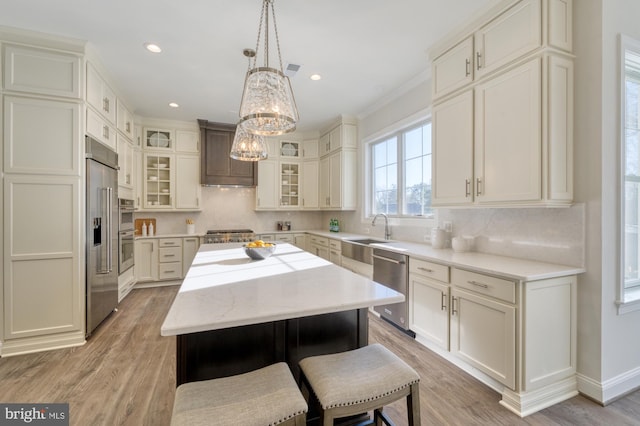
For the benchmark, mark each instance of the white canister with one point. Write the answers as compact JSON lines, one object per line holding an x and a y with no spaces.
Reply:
{"x":459,"y":244}
{"x":438,"y":238}
{"x":191,"y":228}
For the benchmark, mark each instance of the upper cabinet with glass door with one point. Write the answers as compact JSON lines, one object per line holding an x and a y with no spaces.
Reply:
{"x":290,"y":149}
{"x":158,"y":139}
{"x":290,"y":185}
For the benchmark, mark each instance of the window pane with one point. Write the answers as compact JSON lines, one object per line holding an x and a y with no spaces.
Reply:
{"x":417,"y":171}
{"x":401,"y":179}
{"x":632,"y":181}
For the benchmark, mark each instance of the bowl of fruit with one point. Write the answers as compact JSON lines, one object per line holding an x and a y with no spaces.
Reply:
{"x":258,"y":250}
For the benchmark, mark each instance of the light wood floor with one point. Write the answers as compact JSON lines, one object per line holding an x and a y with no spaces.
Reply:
{"x":125,"y":375}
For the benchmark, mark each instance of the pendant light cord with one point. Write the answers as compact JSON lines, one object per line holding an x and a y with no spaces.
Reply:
{"x":264,"y":18}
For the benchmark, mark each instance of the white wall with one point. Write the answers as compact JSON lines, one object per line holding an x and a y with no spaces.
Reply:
{"x":620,"y":345}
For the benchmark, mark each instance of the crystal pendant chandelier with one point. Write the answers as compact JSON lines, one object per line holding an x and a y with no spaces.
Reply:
{"x":268,"y":107}
{"x":248,"y":146}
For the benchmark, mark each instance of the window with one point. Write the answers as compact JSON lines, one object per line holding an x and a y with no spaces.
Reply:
{"x":630,"y":171}
{"x":401,"y":172}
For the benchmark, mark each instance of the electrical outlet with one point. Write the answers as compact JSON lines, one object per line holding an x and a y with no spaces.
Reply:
{"x":427,"y":238}
{"x":367,"y":230}
{"x":447,"y":226}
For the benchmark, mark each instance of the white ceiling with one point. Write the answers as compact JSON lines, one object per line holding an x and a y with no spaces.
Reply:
{"x":364,"y":49}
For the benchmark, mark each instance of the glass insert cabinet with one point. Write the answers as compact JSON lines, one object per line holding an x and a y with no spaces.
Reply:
{"x":289,"y":184}
{"x":158,"y":180}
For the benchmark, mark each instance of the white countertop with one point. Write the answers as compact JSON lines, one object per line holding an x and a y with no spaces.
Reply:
{"x":507,"y":267}
{"x":224,"y":288}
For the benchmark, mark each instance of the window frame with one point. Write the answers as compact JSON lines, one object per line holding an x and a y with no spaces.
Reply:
{"x":628,"y":296}
{"x":417,"y":119}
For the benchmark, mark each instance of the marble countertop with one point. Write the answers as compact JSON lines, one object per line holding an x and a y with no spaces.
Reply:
{"x":224,"y":288}
{"x":507,"y":267}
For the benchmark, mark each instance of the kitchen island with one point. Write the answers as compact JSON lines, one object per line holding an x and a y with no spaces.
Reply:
{"x":233,"y":314}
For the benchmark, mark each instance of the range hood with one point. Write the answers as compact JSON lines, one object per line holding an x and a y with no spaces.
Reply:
{"x":216,"y":167}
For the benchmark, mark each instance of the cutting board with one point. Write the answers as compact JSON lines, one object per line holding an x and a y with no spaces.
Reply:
{"x":138,"y":225}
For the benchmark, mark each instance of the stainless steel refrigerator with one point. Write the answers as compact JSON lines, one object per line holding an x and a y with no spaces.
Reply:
{"x":102,"y":232}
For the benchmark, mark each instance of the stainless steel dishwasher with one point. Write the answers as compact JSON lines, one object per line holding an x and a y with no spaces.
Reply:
{"x":392,"y":270}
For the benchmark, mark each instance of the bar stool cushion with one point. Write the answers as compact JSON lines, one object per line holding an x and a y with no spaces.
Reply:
{"x":354,"y":377}
{"x":267,"y":396}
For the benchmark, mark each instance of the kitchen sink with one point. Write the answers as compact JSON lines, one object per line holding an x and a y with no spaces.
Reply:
{"x":367,"y":241}
{"x":359,"y":249}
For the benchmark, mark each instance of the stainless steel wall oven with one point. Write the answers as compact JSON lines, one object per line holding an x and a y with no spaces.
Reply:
{"x":125,"y":235}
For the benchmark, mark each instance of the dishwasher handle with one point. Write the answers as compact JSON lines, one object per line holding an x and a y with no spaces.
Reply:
{"x":386,"y":259}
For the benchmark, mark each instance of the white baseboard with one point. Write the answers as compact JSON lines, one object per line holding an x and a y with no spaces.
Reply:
{"x":610,"y":390}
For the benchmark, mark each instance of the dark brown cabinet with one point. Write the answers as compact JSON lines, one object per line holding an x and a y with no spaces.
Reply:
{"x":216,"y":167}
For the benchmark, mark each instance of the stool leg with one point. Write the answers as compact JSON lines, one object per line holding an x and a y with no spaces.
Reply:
{"x":413,"y":405}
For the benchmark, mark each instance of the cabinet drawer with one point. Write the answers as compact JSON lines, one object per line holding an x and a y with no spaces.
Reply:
{"x":491,"y":286}
{"x":429,"y":269}
{"x":171,"y":242}
{"x":335,"y":245}
{"x":320,"y":241}
{"x":170,"y":254}
{"x":172,"y":270}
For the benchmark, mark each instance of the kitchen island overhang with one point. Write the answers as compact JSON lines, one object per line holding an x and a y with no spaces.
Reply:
{"x":233,"y":314}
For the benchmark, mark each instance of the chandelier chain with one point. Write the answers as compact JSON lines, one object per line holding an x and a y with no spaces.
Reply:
{"x":275,"y":30}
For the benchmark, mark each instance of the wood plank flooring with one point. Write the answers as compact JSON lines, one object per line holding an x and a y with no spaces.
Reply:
{"x":125,"y":375}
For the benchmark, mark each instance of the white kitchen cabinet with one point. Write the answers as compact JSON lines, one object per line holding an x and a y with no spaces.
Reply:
{"x":188,"y":192}
{"x":146,"y":258}
{"x":43,"y":281}
{"x":126,"y":281}
{"x":335,"y":251}
{"x":190,"y":246}
{"x":338,"y":181}
{"x":509,"y":36}
{"x":170,"y":258}
{"x":187,"y":141}
{"x":483,"y":334}
{"x":454,"y":69}
{"x":490,"y":152}
{"x":341,"y":136}
{"x":300,"y":241}
{"x":100,"y":129}
{"x":138,"y":179}
{"x":508,"y":136}
{"x":290,"y":185}
{"x":41,"y":71}
{"x":268,"y":185}
{"x":310,"y":149}
{"x":159,"y":181}
{"x":100,"y":96}
{"x":429,"y":301}
{"x":125,"y":162}
{"x":290,"y":150}
{"x":514,"y":33}
{"x":452,"y":130}
{"x":318,"y":246}
{"x":124,"y":120}
{"x":158,"y":139}
{"x":310,"y":190}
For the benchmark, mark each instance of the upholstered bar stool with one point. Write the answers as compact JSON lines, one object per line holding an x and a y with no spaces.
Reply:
{"x":357,"y":381}
{"x":264,"y":397}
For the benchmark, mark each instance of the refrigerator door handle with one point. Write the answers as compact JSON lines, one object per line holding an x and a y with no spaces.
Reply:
{"x":106,"y":255}
{"x":109,"y":229}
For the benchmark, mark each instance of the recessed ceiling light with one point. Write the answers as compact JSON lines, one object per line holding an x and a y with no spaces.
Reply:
{"x":315,"y":77}
{"x":173,"y":105}
{"x":151,"y":47}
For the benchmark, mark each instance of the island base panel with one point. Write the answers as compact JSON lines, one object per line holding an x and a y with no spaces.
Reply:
{"x":231,"y":351}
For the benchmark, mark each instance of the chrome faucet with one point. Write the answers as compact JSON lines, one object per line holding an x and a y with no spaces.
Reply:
{"x":387,"y":231}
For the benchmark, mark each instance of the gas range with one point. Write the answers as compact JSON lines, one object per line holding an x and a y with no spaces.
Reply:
{"x":218,"y":236}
